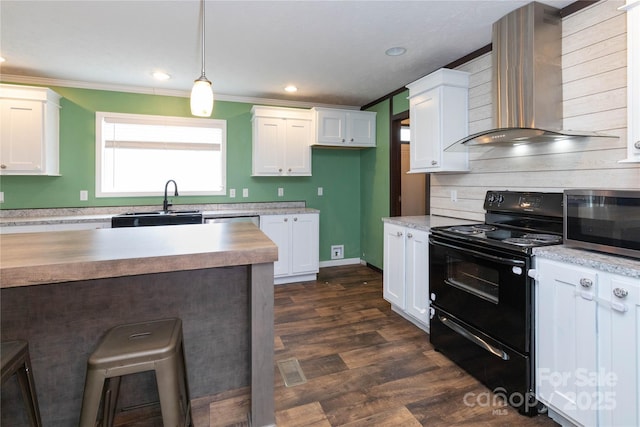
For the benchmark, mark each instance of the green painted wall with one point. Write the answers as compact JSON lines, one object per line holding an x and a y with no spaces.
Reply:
{"x":374,"y":194}
{"x":401,"y":102}
{"x":337,"y":171}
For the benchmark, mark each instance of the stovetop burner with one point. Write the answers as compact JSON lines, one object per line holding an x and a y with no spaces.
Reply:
{"x":472,"y":229}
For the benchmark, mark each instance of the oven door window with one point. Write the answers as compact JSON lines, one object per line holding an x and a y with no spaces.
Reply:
{"x":480,"y":280}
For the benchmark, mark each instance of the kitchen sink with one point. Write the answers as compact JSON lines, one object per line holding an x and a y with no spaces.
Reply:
{"x":151,"y":218}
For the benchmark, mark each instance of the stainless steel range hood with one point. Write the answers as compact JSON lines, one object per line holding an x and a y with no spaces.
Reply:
{"x":527,"y":80}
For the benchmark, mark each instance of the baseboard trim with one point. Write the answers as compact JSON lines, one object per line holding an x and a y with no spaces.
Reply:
{"x":338,"y":262}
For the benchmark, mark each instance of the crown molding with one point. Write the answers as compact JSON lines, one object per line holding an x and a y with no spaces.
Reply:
{"x":45,"y":81}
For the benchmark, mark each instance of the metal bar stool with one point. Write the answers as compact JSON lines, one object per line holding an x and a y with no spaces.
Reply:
{"x":15,"y":360}
{"x":127,"y":349}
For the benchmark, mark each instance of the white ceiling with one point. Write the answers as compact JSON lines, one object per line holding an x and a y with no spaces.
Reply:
{"x":333,"y":51}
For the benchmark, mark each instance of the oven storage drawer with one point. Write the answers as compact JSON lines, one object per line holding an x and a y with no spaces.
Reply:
{"x":505,"y":371}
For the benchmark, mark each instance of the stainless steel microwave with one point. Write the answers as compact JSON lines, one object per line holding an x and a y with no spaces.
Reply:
{"x":603,"y":220}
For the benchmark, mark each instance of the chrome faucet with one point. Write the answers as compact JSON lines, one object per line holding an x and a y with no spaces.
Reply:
{"x":165,"y":202}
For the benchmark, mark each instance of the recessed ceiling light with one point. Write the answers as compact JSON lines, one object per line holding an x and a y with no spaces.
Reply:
{"x":159,"y":75}
{"x":291,"y":89}
{"x":395,"y":51}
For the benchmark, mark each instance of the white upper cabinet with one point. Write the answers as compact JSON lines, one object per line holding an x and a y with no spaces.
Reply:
{"x":29,"y":130}
{"x":344,"y":128}
{"x":281,"y":141}
{"x":438,"y":110}
{"x":633,"y":80}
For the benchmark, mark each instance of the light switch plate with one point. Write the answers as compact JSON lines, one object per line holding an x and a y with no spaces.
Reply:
{"x":232,"y":192}
{"x":245,"y":192}
{"x":84,"y":195}
{"x":320,"y":191}
{"x":1,"y":196}
{"x":280,"y":192}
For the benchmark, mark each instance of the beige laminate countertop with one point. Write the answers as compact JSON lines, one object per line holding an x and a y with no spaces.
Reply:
{"x":62,"y":256}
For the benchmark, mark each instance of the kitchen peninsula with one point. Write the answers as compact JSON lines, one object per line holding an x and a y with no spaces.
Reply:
{"x":62,"y":290}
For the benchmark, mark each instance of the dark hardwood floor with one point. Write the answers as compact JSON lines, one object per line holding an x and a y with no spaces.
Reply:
{"x":365,"y":365}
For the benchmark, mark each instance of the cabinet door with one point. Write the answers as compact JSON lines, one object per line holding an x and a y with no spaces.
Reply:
{"x":331,"y":127}
{"x":566,"y":339}
{"x":425,"y":131}
{"x":361,"y":128}
{"x":298,"y":147}
{"x":393,"y":275}
{"x":417,"y":274}
{"x":268,"y":145}
{"x":21,"y":142}
{"x":618,"y":344}
{"x":304,"y":243}
{"x":277,"y":228}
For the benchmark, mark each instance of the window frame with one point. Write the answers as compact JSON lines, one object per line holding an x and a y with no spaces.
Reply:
{"x":159,"y":120}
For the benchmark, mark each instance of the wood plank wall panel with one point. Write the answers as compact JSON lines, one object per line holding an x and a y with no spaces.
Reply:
{"x":594,"y":98}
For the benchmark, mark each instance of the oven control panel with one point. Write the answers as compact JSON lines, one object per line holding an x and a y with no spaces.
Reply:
{"x":517,"y":201}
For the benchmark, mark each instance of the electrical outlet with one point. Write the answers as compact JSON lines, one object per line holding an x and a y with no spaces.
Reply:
{"x":280,"y":192}
{"x":84,"y":195}
{"x":320,"y":191}
{"x":245,"y":192}
{"x":1,"y":196}
{"x":337,"y":251}
{"x":232,"y":192}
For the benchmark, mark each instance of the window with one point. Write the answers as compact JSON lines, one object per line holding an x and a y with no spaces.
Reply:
{"x":405,"y":134}
{"x":137,"y":154}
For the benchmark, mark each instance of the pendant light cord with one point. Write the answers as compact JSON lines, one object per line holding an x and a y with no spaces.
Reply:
{"x":202,"y":17}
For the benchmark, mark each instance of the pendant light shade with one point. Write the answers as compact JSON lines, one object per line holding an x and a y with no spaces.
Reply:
{"x":202,"y":92}
{"x":202,"y":97}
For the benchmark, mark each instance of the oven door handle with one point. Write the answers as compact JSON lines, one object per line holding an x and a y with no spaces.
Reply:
{"x":498,"y":259}
{"x":471,"y":337}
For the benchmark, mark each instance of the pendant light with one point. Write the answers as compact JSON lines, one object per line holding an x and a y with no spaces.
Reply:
{"x":202,"y":92}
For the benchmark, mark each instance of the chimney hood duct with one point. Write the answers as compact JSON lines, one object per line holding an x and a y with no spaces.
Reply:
{"x":527,"y":80}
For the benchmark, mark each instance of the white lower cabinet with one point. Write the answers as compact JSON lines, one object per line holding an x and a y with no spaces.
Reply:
{"x":406,"y":272}
{"x":297,"y":237}
{"x":587,"y":345}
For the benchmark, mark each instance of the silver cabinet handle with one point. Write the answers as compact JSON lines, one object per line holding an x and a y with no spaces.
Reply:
{"x":434,"y":162}
{"x":279,"y":169}
{"x":620,"y":292}
{"x":351,"y":140}
{"x":637,"y":145}
{"x":409,"y":235}
{"x":399,"y":233}
{"x":295,"y":219}
{"x":286,"y":219}
{"x":586,"y":283}
{"x":3,"y":166}
{"x":289,"y":169}
{"x":343,"y":139}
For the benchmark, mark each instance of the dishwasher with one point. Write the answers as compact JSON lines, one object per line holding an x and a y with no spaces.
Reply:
{"x":216,"y":220}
